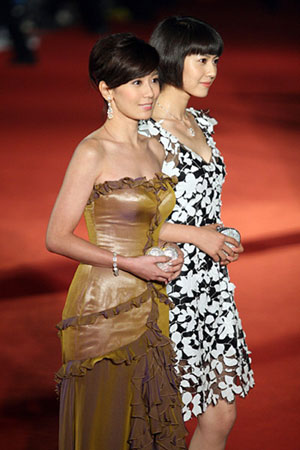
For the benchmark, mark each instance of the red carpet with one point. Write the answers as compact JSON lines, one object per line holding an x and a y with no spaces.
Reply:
{"x":46,"y":109}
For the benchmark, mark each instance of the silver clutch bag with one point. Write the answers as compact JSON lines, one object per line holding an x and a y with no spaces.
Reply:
{"x":170,"y":252}
{"x":231,"y":232}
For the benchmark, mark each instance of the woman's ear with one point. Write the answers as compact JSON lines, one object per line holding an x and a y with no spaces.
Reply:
{"x":104,"y":90}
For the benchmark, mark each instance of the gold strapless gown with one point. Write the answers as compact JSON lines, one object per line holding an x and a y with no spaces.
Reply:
{"x":118,"y":388}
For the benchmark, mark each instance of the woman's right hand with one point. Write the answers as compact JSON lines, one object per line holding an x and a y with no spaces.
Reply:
{"x":146,"y":267}
{"x":210,"y":241}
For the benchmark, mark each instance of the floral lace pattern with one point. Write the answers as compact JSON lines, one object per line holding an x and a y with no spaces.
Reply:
{"x":213,"y":357}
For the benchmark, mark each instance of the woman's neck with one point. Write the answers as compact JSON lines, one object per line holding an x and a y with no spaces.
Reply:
{"x":172,"y":102}
{"x":122,"y":129}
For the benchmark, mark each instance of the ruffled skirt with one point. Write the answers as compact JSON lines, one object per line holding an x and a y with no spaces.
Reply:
{"x":128,"y":399}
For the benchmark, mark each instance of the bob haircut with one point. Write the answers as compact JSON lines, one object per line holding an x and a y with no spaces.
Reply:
{"x":119,"y":58}
{"x":177,"y":37}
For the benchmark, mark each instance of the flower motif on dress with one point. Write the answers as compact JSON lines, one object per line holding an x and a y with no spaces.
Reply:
{"x":169,"y":167}
{"x":205,"y":326}
{"x":188,"y":284}
{"x":188,"y":188}
{"x":229,"y":388}
{"x":179,"y":215}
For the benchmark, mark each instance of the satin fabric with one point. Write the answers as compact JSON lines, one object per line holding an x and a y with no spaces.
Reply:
{"x":114,"y":329}
{"x":124,"y":217}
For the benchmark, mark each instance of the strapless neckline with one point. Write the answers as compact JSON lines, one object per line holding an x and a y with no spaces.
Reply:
{"x":159,"y":181}
{"x":157,"y":176}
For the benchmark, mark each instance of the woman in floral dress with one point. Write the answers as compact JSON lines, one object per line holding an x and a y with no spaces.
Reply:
{"x":210,"y":343}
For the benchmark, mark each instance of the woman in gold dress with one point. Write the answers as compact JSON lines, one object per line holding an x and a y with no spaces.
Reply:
{"x":118,"y":388}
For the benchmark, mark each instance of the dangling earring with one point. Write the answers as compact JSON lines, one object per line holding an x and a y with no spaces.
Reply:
{"x":110,"y":113}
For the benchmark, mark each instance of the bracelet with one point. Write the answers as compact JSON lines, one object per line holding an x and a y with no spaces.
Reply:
{"x":115,"y":265}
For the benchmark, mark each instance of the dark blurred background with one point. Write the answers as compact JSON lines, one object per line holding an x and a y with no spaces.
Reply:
{"x":23,"y":22}
{"x":47,"y":106}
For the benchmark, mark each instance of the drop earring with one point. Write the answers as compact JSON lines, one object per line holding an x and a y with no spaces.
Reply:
{"x":110,"y":113}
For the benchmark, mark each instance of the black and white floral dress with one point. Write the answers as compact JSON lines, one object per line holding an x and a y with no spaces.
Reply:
{"x":205,"y":327}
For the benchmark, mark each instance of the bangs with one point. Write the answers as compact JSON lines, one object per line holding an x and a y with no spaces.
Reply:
{"x":203,"y":40}
{"x":209,"y":48}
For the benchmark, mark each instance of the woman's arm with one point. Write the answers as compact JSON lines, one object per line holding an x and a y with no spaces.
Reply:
{"x":83,"y":170}
{"x":206,"y":238}
{"x":69,"y":206}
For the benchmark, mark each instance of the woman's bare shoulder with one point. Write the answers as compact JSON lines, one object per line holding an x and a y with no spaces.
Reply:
{"x":91,"y":148}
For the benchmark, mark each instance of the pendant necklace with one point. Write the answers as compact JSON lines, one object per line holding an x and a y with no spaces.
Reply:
{"x":190,"y":129}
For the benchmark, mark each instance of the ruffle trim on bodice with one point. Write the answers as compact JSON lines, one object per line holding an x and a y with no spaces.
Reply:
{"x":157,"y":183}
{"x":136,"y":302}
{"x":156,"y":404}
{"x":160,"y":182}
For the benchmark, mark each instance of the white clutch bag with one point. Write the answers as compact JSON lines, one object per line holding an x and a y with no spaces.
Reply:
{"x":231,"y":232}
{"x":170,"y":252}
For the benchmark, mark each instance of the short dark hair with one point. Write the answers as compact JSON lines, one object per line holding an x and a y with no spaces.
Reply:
{"x":119,"y":58}
{"x":177,"y":37}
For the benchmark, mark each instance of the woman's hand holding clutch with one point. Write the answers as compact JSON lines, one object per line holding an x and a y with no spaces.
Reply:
{"x":146,"y":267}
{"x":176,"y":258}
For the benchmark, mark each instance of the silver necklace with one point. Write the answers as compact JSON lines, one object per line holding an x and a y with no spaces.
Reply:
{"x":190,"y":129}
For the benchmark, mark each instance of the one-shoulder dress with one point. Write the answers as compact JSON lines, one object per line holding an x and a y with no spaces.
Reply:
{"x":205,"y":327}
{"x":118,"y":386}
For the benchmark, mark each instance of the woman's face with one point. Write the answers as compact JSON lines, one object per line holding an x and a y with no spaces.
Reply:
{"x":136,"y":99}
{"x":199,"y":72}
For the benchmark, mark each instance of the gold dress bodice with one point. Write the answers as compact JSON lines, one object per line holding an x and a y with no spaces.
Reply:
{"x":103,"y":312}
